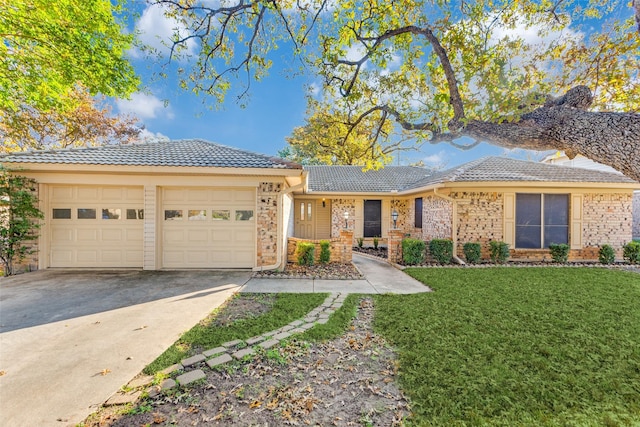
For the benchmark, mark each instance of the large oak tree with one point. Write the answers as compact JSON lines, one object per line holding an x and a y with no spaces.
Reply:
{"x":543,"y":74}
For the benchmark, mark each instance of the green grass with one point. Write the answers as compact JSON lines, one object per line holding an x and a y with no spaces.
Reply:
{"x":338,"y":322}
{"x":287,"y":308}
{"x":518,"y":347}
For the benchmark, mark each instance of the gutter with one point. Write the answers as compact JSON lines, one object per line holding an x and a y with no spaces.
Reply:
{"x":454,"y":221}
{"x":280,"y":223}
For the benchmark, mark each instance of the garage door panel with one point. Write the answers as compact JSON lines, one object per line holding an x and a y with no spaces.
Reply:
{"x":82,"y":240}
{"x":225,"y":242}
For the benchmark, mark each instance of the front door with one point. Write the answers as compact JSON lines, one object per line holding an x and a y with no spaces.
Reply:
{"x":305,"y":211}
{"x":372,"y":218}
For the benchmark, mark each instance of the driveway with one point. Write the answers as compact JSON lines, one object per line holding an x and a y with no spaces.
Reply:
{"x":70,"y":339}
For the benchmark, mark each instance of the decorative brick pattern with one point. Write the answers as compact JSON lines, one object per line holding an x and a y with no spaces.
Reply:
{"x":480,"y":219}
{"x":636,"y":215}
{"x":338,"y":207}
{"x":437,"y":216}
{"x":267,"y":223}
{"x":607,"y":218}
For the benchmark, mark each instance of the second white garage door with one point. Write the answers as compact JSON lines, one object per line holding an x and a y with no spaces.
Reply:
{"x":208,"y":227}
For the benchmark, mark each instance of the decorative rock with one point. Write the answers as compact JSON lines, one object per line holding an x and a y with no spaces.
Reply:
{"x":214,"y":351}
{"x":193,"y":360}
{"x":219,"y":360}
{"x":191,"y":376}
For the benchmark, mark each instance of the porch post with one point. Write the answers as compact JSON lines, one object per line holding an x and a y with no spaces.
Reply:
{"x":394,"y":246}
{"x":346,"y":241}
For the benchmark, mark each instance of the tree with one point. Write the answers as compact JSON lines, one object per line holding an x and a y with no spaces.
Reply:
{"x":88,"y":124}
{"x":517,"y":74}
{"x":19,"y":217}
{"x":50,"y":46}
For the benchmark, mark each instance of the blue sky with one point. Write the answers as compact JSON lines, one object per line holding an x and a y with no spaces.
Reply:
{"x":277,"y":105}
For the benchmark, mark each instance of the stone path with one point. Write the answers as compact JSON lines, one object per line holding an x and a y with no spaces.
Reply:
{"x":190,"y":369}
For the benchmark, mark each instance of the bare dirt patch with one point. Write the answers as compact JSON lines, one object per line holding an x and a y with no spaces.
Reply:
{"x":243,"y":307}
{"x":348,"y":381}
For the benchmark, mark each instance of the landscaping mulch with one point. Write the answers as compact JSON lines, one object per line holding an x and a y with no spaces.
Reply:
{"x":348,"y":381}
{"x":333,"y":270}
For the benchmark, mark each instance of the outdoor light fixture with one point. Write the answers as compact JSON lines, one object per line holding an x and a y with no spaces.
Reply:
{"x":324,"y":203}
{"x":394,"y":216}
{"x":346,"y":217}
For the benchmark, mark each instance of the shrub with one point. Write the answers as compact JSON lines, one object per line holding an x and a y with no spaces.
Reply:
{"x":631,"y":252}
{"x":376,"y":240}
{"x":472,"y":252}
{"x":413,"y":251}
{"x":498,"y":251}
{"x":360,"y":242}
{"x":305,"y":252}
{"x":606,"y":254}
{"x":325,"y":251}
{"x":559,"y":252}
{"x":441,"y":250}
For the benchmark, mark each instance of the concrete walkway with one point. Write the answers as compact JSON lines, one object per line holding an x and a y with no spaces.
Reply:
{"x":380,"y":278}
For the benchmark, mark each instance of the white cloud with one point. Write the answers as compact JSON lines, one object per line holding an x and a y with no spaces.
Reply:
{"x":436,"y":160}
{"x":147,"y":136}
{"x":144,"y":106}
{"x":157,"y":30}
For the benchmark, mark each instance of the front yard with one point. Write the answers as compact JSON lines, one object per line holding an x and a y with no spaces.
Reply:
{"x":511,"y":346}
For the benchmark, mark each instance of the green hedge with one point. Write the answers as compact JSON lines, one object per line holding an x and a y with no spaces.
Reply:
{"x":441,"y":250}
{"x":631,"y":252}
{"x":305,"y":252}
{"x":606,"y":254}
{"x":559,"y":252}
{"x":498,"y":251}
{"x":413,"y":251}
{"x":472,"y":252}
{"x":325,"y":251}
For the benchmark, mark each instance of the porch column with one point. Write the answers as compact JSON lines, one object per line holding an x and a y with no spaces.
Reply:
{"x":394,"y":246}
{"x":346,"y":241}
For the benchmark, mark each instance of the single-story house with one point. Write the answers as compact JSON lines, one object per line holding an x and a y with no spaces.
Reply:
{"x":196,"y":204}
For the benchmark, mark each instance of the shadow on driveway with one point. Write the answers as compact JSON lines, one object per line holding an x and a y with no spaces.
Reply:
{"x":42,"y":297}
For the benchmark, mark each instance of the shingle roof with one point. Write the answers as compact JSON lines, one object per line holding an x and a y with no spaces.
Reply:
{"x":186,"y":152}
{"x":406,"y":178}
{"x":353,"y":179}
{"x":511,"y":170}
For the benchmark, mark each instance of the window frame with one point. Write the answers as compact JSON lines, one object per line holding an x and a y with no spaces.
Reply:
{"x":417,"y":214}
{"x":545,"y":221}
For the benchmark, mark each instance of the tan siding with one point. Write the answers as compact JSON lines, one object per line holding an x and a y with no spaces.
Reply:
{"x":323,"y":219}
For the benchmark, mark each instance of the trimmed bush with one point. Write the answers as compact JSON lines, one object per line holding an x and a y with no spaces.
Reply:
{"x":631,"y":252}
{"x":305,"y":252}
{"x":472,"y":252}
{"x":413,"y":251}
{"x":325,"y":251}
{"x":559,"y":252}
{"x":498,"y":251}
{"x":441,"y":250}
{"x":376,"y":240}
{"x":606,"y":254}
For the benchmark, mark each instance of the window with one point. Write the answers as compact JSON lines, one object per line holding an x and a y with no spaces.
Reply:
{"x":372,"y":218}
{"x":86,"y":213}
{"x":221,"y":215}
{"x":244,"y":215}
{"x":135,"y":213}
{"x":111,"y":213}
{"x":541,"y":219}
{"x":418,"y":212}
{"x":172,"y":214}
{"x":62,"y":214}
{"x":197,"y":215}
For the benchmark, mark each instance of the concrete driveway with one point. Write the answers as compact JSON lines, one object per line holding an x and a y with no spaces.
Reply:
{"x":70,"y":339}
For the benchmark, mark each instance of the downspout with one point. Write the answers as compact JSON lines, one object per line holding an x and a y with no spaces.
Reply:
{"x":454,"y":222}
{"x":279,"y":226}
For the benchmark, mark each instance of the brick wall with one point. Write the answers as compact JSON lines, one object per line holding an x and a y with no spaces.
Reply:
{"x":338,"y":207}
{"x":437,"y":214}
{"x":607,"y":218}
{"x":341,"y":248}
{"x":636,"y":215}
{"x":267,"y":223}
{"x":480,"y":219}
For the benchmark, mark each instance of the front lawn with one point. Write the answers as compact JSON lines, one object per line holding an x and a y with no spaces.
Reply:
{"x":518,"y":346}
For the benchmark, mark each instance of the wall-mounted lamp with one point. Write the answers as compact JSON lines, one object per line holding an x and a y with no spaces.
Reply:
{"x":324,"y":203}
{"x":394,"y":216}
{"x":346,"y":217}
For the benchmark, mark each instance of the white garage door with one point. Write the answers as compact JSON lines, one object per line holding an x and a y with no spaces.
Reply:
{"x":208,"y":227}
{"x":95,"y":226}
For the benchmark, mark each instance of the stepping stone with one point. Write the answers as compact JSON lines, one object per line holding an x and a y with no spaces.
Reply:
{"x":281,"y":336}
{"x":323,"y":321}
{"x":306,"y":326}
{"x":310,"y":319}
{"x":269,"y":344}
{"x":122,"y":398}
{"x":231,"y":343}
{"x":214,"y":351}
{"x":255,"y":340}
{"x":298,"y":331}
{"x":172,"y":368}
{"x":286,"y":328}
{"x":191,"y":376}
{"x":225,"y":358}
{"x":168,"y":384}
{"x":140,"y":381}
{"x":193,"y":360}
{"x":244,"y":352}
{"x":321,"y":316}
{"x":296,"y":323}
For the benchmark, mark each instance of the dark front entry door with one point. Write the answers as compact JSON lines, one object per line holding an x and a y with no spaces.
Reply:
{"x":372,"y":218}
